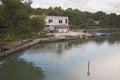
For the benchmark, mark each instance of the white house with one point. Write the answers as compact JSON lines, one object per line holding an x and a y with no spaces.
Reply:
{"x":57,"y":24}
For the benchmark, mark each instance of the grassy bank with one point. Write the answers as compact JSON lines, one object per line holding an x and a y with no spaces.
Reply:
{"x":15,"y":38}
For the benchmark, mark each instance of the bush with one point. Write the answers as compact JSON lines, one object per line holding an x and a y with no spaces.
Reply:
{"x":84,"y":26}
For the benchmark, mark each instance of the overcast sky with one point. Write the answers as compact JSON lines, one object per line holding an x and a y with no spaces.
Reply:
{"x":109,"y":6}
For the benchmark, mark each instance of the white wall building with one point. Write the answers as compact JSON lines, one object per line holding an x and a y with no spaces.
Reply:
{"x":57,"y":24}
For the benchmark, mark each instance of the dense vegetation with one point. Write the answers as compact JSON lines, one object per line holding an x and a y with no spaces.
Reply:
{"x":80,"y":19}
{"x":15,"y":21}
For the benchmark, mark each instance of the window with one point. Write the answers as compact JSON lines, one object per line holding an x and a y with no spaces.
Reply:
{"x":47,"y":25}
{"x":50,"y":21}
{"x":66,"y":21}
{"x":60,"y":21}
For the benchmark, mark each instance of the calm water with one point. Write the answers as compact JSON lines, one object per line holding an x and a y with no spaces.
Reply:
{"x":65,"y":61}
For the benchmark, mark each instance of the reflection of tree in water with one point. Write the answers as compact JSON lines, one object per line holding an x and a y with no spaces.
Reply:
{"x":114,"y":38}
{"x":15,"y":69}
{"x":76,"y":43}
{"x":100,"y":40}
{"x":41,"y":46}
{"x":60,"y":47}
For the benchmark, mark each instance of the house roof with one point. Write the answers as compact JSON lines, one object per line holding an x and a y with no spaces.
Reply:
{"x":56,"y":17}
{"x":49,"y":16}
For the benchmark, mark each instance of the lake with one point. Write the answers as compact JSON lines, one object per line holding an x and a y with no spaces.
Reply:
{"x":93,"y":59}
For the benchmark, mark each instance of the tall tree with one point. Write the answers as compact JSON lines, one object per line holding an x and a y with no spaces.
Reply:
{"x":15,"y":15}
{"x":16,"y":12}
{"x":99,"y":15}
{"x":37,"y":24}
{"x":113,"y":20}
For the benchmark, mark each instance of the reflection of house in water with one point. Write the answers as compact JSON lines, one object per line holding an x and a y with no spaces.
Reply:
{"x":58,"y":47}
{"x":58,"y":52}
{"x":61,"y":47}
{"x":55,"y":52}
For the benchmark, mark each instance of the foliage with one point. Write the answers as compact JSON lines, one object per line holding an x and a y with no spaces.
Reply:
{"x":37,"y":24}
{"x":77,"y":17}
{"x":15,"y":20}
{"x":84,"y":26}
{"x":14,"y":15}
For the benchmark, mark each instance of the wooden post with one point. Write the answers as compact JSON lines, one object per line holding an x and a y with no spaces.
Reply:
{"x":88,"y":73}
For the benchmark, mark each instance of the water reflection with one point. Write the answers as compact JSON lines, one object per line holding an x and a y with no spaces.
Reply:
{"x":18,"y":69}
{"x":61,"y":47}
{"x":67,"y":60}
{"x":2,"y":62}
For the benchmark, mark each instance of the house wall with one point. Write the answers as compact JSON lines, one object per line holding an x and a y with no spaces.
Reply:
{"x":55,"y":20}
{"x":54,"y":25}
{"x":58,"y":29}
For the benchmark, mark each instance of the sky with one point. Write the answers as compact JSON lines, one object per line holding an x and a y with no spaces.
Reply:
{"x":108,"y":6}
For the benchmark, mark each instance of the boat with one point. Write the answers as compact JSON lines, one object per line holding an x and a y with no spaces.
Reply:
{"x":97,"y":35}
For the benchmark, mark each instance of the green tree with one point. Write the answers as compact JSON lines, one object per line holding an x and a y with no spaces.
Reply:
{"x":37,"y":24}
{"x":58,"y":11}
{"x":84,"y":26}
{"x":99,"y":15}
{"x":15,"y":15}
{"x":118,"y":21}
{"x":104,"y":21}
{"x":112,"y":19}
{"x":90,"y":22}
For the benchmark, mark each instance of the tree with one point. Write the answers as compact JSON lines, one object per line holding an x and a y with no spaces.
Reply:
{"x":37,"y":24}
{"x":15,"y":15}
{"x":58,"y":11}
{"x":84,"y":26}
{"x":99,"y":15}
{"x":17,"y":12}
{"x":51,"y":11}
{"x":112,"y":19}
{"x":104,"y":21}
{"x":90,"y":22}
{"x":118,"y":21}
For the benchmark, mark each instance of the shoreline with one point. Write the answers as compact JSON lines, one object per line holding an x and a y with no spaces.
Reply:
{"x":17,"y":46}
{"x":20,"y":45}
